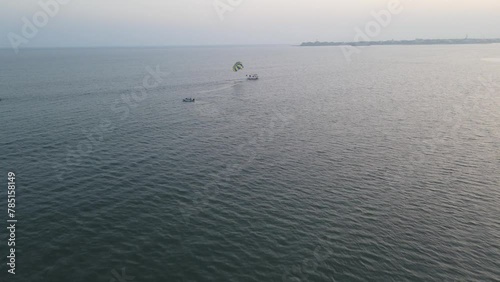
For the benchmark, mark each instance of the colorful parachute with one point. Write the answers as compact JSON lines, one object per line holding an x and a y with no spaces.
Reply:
{"x":238,"y":66}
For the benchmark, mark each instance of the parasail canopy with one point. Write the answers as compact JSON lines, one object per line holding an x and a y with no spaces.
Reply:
{"x":238,"y":66}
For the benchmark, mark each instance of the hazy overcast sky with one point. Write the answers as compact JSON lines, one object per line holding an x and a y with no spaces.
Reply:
{"x":196,"y":22}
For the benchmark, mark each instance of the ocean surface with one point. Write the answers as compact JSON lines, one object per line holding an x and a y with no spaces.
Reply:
{"x":384,"y":167}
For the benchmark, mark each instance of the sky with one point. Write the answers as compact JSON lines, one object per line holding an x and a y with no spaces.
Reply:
{"x":91,"y":23}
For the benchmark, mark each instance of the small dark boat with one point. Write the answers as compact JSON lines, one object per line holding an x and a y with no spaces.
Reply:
{"x":188,"y":100}
{"x":252,"y":77}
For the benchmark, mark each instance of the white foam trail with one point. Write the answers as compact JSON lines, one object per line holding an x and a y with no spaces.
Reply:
{"x":493,"y":60}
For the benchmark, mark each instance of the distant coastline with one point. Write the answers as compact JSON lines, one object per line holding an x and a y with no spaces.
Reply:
{"x":405,"y":42}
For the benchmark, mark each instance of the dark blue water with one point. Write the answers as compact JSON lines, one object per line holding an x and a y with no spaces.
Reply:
{"x":386,"y":168}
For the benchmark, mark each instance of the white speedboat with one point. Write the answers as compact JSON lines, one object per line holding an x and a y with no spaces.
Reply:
{"x":252,"y":76}
{"x":188,"y":100}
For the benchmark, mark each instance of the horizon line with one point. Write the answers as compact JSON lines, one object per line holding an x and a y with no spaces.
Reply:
{"x":147,"y":46}
{"x":227,"y":45}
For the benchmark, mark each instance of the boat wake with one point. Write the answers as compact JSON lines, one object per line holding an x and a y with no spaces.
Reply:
{"x":492,"y":60}
{"x":219,"y":89}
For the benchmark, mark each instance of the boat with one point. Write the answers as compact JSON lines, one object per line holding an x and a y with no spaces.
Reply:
{"x":252,"y":76}
{"x":189,"y":100}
